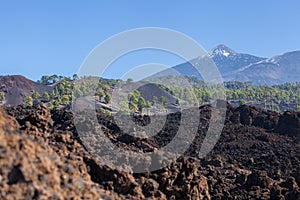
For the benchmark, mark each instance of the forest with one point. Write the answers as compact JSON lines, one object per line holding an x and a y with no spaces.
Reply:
{"x":278,"y":98}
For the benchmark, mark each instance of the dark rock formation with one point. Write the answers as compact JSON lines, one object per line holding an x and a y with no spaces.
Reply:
{"x":256,"y":157}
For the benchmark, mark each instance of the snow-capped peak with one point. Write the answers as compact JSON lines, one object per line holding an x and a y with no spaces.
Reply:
{"x":222,"y":50}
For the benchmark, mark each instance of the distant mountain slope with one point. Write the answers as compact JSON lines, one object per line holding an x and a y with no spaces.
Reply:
{"x":227,"y":60}
{"x":16,"y":87}
{"x":235,"y":66}
{"x":277,"y":70}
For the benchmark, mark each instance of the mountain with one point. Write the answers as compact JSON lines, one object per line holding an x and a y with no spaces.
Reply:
{"x":235,"y":66}
{"x":276,"y":70}
{"x":227,"y":60}
{"x":16,"y":87}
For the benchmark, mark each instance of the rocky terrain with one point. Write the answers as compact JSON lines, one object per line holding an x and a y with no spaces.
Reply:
{"x":256,"y":157}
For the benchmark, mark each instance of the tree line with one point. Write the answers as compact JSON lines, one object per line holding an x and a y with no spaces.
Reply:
{"x":276,"y":97}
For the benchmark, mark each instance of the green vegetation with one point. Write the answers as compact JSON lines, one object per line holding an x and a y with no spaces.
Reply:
{"x":137,"y":102}
{"x":107,"y":98}
{"x":163,"y":101}
{"x":2,"y":97}
{"x":129,"y":80}
{"x":243,"y":102}
{"x":106,"y":112}
{"x":134,"y":100}
{"x":277,"y":98}
{"x":46,"y":96}
{"x":28,"y":101}
{"x":298,"y":108}
{"x":66,"y":88}
{"x":47,"y":80}
{"x":35,"y":95}
{"x":154,"y":100}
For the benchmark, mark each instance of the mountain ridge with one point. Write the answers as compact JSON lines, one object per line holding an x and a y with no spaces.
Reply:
{"x":235,"y":66}
{"x":276,"y":70}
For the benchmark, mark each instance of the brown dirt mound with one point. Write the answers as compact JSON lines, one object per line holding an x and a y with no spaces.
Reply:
{"x":16,"y":87}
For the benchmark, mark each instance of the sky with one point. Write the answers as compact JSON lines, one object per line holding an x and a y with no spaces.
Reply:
{"x":55,"y":37}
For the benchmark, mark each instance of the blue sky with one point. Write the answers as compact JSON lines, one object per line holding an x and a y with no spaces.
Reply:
{"x":46,"y":37}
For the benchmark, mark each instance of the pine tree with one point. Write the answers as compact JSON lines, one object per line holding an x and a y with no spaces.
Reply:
{"x":154,"y":100}
{"x":28,"y":101}
{"x":141,"y":104}
{"x":242,"y":102}
{"x":107,"y":98}
{"x":35,"y":95}
{"x":46,"y":96}
{"x":100,"y":94}
{"x":2,"y":97}
{"x":163,"y":100}
{"x":133,"y":106}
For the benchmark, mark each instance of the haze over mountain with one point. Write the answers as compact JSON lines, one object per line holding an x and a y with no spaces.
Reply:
{"x":235,"y":66}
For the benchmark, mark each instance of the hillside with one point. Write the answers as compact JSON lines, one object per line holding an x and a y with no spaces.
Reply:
{"x":16,"y":87}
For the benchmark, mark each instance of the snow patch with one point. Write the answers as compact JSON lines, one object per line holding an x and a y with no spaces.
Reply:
{"x":226,"y":54}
